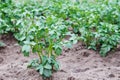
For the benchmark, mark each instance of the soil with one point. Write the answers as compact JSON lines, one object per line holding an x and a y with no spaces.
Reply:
{"x":77,"y":63}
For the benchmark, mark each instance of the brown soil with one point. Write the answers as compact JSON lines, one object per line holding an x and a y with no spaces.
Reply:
{"x":77,"y":63}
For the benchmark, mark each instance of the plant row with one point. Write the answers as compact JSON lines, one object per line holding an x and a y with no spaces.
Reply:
{"x":41,"y":27}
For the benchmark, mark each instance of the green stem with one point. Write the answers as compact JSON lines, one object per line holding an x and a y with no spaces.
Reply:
{"x":39,"y":48}
{"x":50,"y":48}
{"x":40,"y":57}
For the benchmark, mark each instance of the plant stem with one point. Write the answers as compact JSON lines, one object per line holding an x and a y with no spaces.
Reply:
{"x":39,"y":52}
{"x":50,"y":48}
{"x":40,"y":57}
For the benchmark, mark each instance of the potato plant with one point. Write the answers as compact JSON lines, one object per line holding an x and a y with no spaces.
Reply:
{"x":41,"y":34}
{"x":47,"y":43}
{"x":97,"y":25}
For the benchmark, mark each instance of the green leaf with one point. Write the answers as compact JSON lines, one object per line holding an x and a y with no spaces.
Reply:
{"x":41,"y":70}
{"x":44,"y":60}
{"x":39,"y":67}
{"x":35,"y":48}
{"x":75,"y":41}
{"x":26,"y":49}
{"x":48,"y":66}
{"x":105,"y":49}
{"x":22,"y":38}
{"x":2,"y":44}
{"x":68,"y":45}
{"x":26,"y":53}
{"x":33,"y":63}
{"x":58,"y":50}
{"x":49,"y":60}
{"x":47,"y":73}
{"x":56,"y":65}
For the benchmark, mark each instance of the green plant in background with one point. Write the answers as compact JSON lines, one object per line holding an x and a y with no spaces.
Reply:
{"x":6,"y":23}
{"x":98,"y":25}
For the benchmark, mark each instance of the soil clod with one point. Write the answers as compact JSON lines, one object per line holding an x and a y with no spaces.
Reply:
{"x":111,"y":75}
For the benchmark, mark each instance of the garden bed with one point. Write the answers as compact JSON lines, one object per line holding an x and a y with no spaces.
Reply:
{"x":76,"y":63}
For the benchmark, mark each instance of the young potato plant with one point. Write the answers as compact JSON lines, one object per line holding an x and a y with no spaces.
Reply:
{"x":47,"y":44}
{"x":43,"y":35}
